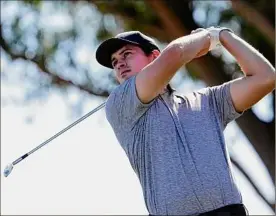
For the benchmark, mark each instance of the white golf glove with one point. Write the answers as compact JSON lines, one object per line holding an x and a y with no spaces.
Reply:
{"x":214,"y":36}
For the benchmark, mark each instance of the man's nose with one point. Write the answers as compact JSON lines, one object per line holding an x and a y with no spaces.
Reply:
{"x":121,"y":64}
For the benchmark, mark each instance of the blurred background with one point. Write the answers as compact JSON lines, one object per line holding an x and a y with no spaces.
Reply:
{"x":50,"y":78}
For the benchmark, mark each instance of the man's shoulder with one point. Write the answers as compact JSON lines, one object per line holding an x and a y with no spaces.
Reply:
{"x":119,"y":91}
{"x":122,"y":86}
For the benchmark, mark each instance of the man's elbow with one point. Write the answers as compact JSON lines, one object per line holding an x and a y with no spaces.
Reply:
{"x":272,"y":79}
{"x":270,"y":75}
{"x":268,"y":72}
{"x":268,"y":79}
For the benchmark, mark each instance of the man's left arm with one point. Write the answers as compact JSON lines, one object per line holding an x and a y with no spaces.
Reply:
{"x":259,"y":74}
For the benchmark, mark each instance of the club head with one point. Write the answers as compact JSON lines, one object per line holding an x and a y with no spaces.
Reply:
{"x":8,"y":169}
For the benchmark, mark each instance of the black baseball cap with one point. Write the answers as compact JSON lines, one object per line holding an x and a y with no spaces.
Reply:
{"x":109,"y":46}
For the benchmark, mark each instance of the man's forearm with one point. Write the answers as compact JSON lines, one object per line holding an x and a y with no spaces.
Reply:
{"x":248,"y":58}
{"x":191,"y":45}
{"x":152,"y":79}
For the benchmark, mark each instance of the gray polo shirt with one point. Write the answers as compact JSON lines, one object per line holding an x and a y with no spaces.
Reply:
{"x":175,"y":145}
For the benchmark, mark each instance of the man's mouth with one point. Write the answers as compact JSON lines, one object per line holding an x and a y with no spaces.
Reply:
{"x":124,"y":73}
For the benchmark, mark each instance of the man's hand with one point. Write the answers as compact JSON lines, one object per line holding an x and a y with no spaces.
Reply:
{"x":214,"y":34}
{"x":205,"y":50}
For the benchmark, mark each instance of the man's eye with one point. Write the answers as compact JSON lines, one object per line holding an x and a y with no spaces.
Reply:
{"x":126,"y":54}
{"x":114,"y":63}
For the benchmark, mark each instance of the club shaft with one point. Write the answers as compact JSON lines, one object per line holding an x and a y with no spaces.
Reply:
{"x":59,"y":133}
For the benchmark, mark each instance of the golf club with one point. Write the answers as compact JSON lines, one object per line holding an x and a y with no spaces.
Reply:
{"x":10,"y":166}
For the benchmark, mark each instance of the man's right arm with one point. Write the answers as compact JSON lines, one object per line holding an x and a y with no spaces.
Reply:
{"x":155,"y":76}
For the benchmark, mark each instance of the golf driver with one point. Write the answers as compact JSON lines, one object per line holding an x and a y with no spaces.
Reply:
{"x":10,"y":166}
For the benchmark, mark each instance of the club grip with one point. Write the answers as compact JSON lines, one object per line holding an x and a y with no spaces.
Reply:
{"x":24,"y":156}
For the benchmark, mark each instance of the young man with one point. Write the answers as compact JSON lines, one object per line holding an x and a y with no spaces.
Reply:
{"x":175,"y":143}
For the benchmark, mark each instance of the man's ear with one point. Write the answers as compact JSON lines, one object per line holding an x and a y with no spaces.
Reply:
{"x":155,"y":54}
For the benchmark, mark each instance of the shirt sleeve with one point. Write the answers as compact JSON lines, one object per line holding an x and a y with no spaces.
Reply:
{"x":123,"y":107}
{"x":223,"y":103}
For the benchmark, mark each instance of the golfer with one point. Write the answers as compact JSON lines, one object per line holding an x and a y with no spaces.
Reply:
{"x":175,"y":143}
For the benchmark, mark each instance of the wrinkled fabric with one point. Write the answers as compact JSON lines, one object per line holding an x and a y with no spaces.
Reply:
{"x":175,"y":145}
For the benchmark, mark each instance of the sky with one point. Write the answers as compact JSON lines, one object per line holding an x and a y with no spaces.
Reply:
{"x":85,"y":171}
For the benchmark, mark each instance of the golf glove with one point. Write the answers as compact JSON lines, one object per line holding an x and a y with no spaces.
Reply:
{"x":214,"y":36}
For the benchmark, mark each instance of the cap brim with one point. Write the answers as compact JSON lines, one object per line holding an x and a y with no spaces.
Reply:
{"x":108,"y":47}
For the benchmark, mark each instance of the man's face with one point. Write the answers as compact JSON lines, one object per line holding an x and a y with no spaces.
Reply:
{"x":128,"y":61}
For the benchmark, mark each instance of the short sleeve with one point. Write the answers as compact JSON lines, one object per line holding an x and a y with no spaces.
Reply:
{"x":123,"y":107}
{"x":222,"y":100}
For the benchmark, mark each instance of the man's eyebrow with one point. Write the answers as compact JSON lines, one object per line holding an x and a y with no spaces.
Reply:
{"x":112,"y":59}
{"x":124,"y":50}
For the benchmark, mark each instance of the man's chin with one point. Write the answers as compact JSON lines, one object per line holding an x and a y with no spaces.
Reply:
{"x":125,"y":78}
